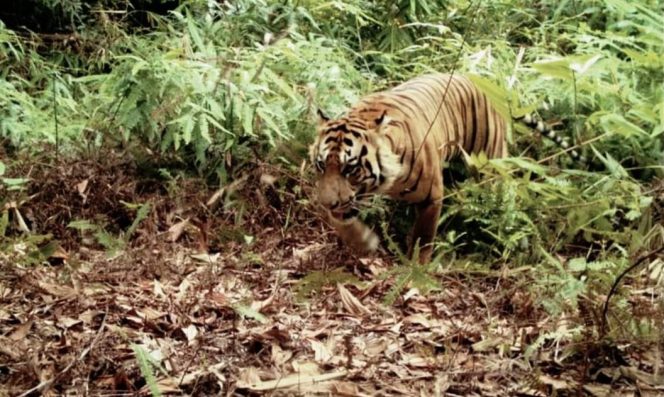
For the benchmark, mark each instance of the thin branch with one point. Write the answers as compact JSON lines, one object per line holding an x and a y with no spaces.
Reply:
{"x":614,"y":287}
{"x":449,"y":81}
{"x":48,"y":383}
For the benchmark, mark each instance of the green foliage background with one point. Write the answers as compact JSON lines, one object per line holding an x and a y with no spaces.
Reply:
{"x":197,"y":80}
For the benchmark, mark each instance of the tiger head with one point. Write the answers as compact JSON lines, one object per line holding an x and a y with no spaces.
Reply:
{"x":353,"y":159}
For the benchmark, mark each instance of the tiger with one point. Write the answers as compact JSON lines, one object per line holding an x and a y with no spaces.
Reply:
{"x":395,"y":143}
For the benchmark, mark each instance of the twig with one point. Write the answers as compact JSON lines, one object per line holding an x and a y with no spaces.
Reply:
{"x":47,"y":383}
{"x":449,"y":81}
{"x":614,"y":287}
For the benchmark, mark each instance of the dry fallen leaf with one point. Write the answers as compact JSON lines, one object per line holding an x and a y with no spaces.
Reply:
{"x":21,"y":331}
{"x":280,"y":356}
{"x":556,"y":384}
{"x":60,"y":291}
{"x":597,"y":390}
{"x":67,"y":322}
{"x":307,"y":253}
{"x":206,"y":258}
{"x":191,"y":332}
{"x":175,"y":231}
{"x":376,"y":346}
{"x":351,"y":303}
{"x":291,"y":380}
{"x":321,"y":353}
{"x":81,"y":187}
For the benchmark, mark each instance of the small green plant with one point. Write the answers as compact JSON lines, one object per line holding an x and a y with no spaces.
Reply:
{"x":316,"y":280}
{"x":146,"y":364}
{"x":111,"y":243}
{"x":409,"y":272}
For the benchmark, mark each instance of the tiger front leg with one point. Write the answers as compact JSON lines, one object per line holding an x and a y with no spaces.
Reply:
{"x":424,"y":230}
{"x":355,"y":234}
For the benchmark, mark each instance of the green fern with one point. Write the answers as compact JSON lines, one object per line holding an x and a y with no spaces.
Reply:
{"x":315,"y":281}
{"x":410,"y":272}
{"x":146,"y":365}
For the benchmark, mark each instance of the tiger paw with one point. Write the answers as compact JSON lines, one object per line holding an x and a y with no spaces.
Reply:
{"x":371,"y":241}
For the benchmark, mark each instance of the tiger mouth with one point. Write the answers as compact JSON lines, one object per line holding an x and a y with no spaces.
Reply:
{"x":344,"y":214}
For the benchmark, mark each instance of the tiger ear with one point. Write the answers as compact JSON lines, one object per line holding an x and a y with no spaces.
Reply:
{"x":322,"y":117}
{"x":382,"y":121}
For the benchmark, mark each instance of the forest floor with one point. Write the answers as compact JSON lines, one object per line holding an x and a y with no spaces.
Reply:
{"x":207,"y":308}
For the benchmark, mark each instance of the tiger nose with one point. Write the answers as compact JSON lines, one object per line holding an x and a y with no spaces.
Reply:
{"x":348,"y":198}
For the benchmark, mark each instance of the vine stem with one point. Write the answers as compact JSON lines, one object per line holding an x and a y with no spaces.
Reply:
{"x":614,"y":287}
{"x":451,"y":75}
{"x":55,"y":116}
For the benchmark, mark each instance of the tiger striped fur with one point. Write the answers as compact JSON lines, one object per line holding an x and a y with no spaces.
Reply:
{"x":395,"y":142}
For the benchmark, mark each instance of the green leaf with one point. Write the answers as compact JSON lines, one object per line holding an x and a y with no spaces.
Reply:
{"x":559,"y":68}
{"x":204,"y":128}
{"x":141,"y":214}
{"x":2,"y":168}
{"x":611,"y":164}
{"x":582,"y":64}
{"x":577,"y":264}
{"x":145,"y":364}
{"x":4,"y":222}
{"x":15,"y":182}
{"x":82,"y":225}
{"x":616,"y":123}
{"x":248,"y":312}
{"x":248,"y":120}
{"x":525,"y":164}
{"x":283,"y":86}
{"x":194,"y":34}
{"x":496,"y":94}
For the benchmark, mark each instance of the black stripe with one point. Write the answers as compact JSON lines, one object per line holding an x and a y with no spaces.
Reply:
{"x":381,"y":178}
{"x":485,"y":136}
{"x":475,"y":125}
{"x":369,"y":167}
{"x":463,"y":110}
{"x":417,"y":181}
{"x":407,"y":98}
{"x":427,"y":93}
{"x":392,"y":106}
{"x":363,"y":152}
{"x":340,"y":127}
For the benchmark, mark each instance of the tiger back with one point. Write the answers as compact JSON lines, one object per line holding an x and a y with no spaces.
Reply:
{"x":395,"y":142}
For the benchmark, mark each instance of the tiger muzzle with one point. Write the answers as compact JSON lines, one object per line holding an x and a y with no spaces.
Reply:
{"x":337,"y":196}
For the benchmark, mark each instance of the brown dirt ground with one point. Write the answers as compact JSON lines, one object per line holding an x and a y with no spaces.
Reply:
{"x":219,"y":316}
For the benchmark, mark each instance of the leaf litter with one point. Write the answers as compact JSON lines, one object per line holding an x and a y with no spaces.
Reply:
{"x":201,"y":309}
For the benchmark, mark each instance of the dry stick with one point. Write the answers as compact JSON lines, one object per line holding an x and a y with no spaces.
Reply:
{"x":84,"y":353}
{"x":614,"y":287}
{"x":449,"y":81}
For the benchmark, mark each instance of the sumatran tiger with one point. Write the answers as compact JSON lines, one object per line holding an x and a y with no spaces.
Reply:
{"x":395,"y":142}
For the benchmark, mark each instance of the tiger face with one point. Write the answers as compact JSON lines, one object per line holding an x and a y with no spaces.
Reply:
{"x":351,"y":164}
